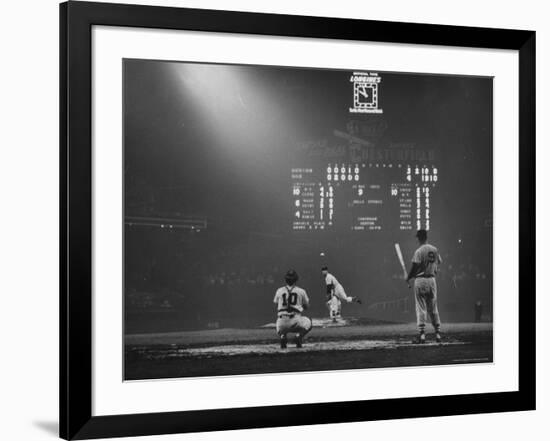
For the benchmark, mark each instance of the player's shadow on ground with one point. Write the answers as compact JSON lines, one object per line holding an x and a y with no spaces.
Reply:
{"x":51,"y":427}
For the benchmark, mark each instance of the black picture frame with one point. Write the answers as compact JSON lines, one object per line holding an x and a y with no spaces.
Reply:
{"x":76,"y":21}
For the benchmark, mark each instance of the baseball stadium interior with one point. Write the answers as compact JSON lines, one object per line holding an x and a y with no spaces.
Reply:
{"x":234,"y":174}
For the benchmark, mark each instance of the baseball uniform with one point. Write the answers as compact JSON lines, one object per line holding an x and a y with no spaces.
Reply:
{"x":336,"y":288}
{"x":337,"y":294}
{"x":425,"y":288}
{"x":291,"y":301}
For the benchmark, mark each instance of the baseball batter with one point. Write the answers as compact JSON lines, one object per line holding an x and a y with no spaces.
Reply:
{"x":425,"y":262}
{"x":291,"y":302}
{"x":335,"y":295}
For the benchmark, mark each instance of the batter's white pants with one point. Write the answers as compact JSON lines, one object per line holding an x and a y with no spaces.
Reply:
{"x":425,"y":294}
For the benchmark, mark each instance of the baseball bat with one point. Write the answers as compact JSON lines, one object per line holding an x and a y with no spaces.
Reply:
{"x":401,"y":260}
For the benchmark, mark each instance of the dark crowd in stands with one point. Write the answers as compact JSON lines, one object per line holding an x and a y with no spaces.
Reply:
{"x":168,"y":275}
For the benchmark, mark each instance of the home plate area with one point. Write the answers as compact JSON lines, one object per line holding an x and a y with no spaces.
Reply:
{"x":352,"y":344}
{"x":353,"y":340}
{"x":273,"y":348}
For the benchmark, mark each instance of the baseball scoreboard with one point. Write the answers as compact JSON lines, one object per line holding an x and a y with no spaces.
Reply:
{"x":370,"y":196}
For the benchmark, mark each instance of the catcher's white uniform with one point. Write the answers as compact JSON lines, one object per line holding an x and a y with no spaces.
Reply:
{"x":291,"y":301}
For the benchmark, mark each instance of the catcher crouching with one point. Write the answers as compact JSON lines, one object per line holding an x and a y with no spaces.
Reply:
{"x":291,"y":302}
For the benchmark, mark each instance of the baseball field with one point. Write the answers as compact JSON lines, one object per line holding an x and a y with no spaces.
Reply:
{"x":355,"y":344}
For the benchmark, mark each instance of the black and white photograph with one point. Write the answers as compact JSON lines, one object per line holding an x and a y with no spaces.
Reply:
{"x":282,"y":219}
